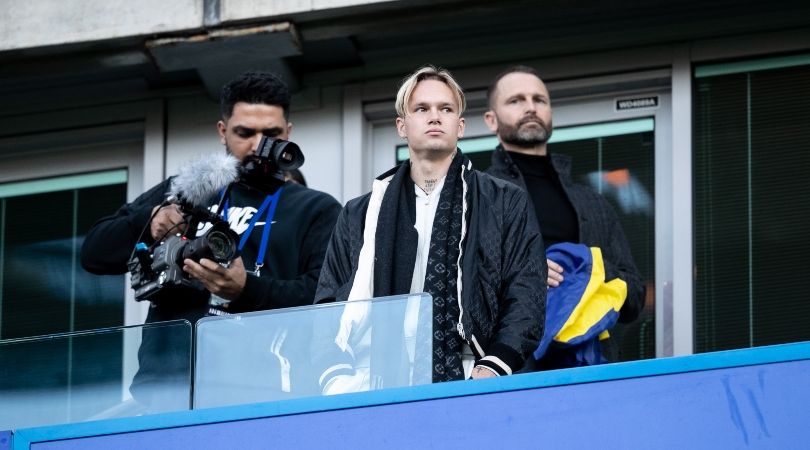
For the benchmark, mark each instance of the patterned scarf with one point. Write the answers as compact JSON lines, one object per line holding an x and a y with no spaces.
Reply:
{"x":397,"y":237}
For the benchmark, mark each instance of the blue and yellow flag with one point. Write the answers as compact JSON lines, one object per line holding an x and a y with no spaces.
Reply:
{"x":584,"y":306}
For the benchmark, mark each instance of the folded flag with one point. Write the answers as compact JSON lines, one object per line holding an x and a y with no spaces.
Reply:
{"x":581,"y":310}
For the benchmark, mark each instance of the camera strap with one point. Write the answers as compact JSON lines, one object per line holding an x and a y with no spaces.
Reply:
{"x":269,"y":204}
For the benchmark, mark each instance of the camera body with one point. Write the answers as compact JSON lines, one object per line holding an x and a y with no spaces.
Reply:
{"x":265,"y":169}
{"x":161,"y":266}
{"x":151,"y":272}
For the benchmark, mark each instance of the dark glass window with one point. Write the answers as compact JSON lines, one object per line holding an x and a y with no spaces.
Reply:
{"x":751,"y":154}
{"x":44,"y":289}
{"x":622,"y":169}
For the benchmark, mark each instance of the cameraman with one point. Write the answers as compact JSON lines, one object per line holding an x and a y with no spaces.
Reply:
{"x":253,"y":105}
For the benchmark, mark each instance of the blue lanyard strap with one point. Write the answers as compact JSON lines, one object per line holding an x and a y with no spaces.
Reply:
{"x":270,"y":203}
{"x":223,"y":202}
{"x":225,"y":211}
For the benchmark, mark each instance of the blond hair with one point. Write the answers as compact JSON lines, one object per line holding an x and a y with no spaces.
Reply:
{"x":428,"y":72}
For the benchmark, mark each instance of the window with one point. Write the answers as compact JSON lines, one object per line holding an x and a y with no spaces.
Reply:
{"x":751,"y":156}
{"x":43,"y":288}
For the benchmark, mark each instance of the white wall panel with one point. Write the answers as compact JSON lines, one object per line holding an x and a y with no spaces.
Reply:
{"x":319,"y":133}
{"x":192,"y":130}
{"x":316,"y":128}
{"x":27,"y":23}
{"x":250,"y":9}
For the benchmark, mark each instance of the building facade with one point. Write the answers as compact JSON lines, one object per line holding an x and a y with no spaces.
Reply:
{"x":688,"y":115}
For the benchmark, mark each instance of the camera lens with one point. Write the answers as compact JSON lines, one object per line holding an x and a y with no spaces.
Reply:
{"x":218,"y":244}
{"x":221,"y":246}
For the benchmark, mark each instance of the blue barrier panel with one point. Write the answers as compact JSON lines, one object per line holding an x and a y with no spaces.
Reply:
{"x":5,"y":440}
{"x":753,"y":398}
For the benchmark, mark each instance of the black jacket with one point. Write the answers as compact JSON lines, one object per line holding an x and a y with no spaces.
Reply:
{"x":598,"y":226}
{"x":303,"y":222}
{"x":503,"y":269}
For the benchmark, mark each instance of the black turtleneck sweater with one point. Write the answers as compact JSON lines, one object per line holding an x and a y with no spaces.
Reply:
{"x":555,"y":214}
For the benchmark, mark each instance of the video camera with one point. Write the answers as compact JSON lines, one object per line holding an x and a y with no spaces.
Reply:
{"x":161,"y":265}
{"x":265,"y":169}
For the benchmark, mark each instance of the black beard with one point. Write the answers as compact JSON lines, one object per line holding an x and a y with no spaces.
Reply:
{"x":527,"y":138}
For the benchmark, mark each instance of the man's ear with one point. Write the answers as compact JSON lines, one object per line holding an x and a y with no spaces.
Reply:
{"x":461,"y":124}
{"x":401,"y":128}
{"x":289,"y":130}
{"x":491,"y":120}
{"x":221,"y":129}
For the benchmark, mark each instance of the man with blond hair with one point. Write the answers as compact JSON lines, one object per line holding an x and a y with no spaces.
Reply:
{"x":434,"y":224}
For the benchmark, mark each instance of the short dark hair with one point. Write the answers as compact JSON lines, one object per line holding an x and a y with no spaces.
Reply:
{"x":509,"y":70}
{"x":255,"y":88}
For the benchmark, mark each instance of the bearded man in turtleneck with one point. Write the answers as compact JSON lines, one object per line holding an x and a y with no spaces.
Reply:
{"x":520,"y":114}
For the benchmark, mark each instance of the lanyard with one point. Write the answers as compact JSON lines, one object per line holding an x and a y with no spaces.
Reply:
{"x":269,"y":204}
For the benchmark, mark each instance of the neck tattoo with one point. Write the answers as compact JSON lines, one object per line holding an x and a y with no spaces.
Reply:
{"x":429,"y":185}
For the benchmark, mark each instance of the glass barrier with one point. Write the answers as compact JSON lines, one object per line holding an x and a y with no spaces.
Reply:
{"x":314,"y":350}
{"x":98,"y":374}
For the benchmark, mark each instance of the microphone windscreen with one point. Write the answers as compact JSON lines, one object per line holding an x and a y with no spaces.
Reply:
{"x":204,"y":177}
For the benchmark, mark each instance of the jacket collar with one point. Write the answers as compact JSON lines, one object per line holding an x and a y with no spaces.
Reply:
{"x":502,"y":162}
{"x":385,"y":176}
{"x":390,"y":173}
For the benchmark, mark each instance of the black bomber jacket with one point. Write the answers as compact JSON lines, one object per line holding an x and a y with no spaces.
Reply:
{"x":503,"y":270}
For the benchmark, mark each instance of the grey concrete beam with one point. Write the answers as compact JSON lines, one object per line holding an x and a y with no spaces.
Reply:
{"x":218,"y":55}
{"x":213,"y":47}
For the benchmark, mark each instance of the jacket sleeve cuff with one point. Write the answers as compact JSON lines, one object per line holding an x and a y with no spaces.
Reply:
{"x":501,"y":359}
